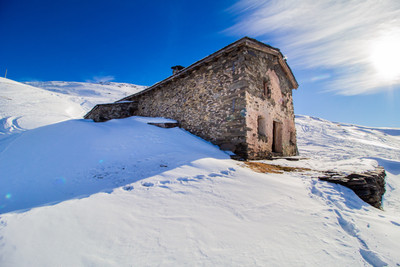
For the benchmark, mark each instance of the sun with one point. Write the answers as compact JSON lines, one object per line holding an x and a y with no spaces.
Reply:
{"x":385,"y":57}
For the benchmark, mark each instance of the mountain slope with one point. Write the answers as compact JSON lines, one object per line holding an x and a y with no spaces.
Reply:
{"x":123,"y":193}
{"x":89,"y":94}
{"x":324,"y":139}
{"x":27,"y":107}
{"x":34,"y":104}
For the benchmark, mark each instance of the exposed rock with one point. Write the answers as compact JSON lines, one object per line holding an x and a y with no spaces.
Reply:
{"x":369,"y":186}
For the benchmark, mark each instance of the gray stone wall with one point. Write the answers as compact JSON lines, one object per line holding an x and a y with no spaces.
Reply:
{"x":105,"y":112}
{"x":209,"y":101}
{"x":269,"y":100}
{"x":239,"y":98}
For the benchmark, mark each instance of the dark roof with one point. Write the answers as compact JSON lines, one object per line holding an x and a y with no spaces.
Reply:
{"x":250,"y":42}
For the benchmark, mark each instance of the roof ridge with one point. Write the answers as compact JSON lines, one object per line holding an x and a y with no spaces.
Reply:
{"x":242,"y":41}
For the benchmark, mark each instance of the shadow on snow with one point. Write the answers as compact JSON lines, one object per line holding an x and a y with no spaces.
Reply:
{"x":78,"y":158}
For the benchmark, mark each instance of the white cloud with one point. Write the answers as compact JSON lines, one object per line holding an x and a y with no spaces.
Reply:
{"x":99,"y":79}
{"x":341,"y":36}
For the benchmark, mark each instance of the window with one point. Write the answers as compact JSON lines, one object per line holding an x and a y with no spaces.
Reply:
{"x":261,"y":126}
{"x":267,"y":90}
{"x":262,"y":129}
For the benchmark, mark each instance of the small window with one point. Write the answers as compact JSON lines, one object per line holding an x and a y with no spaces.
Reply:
{"x":267,"y":90}
{"x":261,"y":126}
{"x":262,"y":129}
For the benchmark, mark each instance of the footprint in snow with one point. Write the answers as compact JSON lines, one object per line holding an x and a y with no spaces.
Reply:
{"x":372,"y":258}
{"x":163,"y":184}
{"x":128,"y":188}
{"x":185,"y":179}
{"x":369,"y":256}
{"x":215,"y":175}
{"x":395,"y":223}
{"x":147,"y":184}
{"x":225,"y":173}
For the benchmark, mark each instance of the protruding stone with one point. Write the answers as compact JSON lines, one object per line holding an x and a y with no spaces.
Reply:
{"x":369,"y":186}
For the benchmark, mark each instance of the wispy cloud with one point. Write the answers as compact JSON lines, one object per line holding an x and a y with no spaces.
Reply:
{"x":99,"y":79}
{"x":357,"y":40}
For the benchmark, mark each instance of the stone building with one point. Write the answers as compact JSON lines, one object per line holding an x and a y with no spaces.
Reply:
{"x":239,"y":98}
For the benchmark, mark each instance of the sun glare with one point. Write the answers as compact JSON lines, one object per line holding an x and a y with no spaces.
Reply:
{"x":385,"y":57}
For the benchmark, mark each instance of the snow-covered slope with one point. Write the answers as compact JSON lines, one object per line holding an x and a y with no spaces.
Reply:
{"x":329,"y":140}
{"x":26,"y":107}
{"x":125,"y":193}
{"x":34,"y":104}
{"x":89,"y":94}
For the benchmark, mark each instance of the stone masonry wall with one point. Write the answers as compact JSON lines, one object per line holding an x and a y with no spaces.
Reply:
{"x":104,"y":112}
{"x":239,"y":98}
{"x":269,"y":99}
{"x":208,"y":101}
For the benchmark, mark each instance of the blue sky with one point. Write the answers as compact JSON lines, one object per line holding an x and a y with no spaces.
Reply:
{"x":343,"y":53}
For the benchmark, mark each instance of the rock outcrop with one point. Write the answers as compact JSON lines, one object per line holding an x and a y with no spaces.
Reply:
{"x":369,"y":186}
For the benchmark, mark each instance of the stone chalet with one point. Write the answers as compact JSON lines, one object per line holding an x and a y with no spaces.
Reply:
{"x":239,"y":98}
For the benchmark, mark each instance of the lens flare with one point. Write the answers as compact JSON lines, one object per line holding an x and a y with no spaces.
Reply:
{"x":61,"y":181}
{"x":8,"y":196}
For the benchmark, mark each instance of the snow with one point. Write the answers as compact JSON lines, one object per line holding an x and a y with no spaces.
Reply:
{"x":28,"y":107}
{"x":155,"y":120}
{"x":35,"y":104}
{"x":125,"y":193}
{"x":89,"y":94}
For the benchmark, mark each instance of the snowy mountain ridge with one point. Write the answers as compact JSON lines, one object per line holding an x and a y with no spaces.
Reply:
{"x":123,"y":193}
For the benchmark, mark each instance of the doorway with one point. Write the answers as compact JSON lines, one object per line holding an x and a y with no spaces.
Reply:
{"x":277,"y":137}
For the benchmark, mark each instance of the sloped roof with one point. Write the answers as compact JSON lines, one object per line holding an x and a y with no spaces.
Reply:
{"x":245,"y":41}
